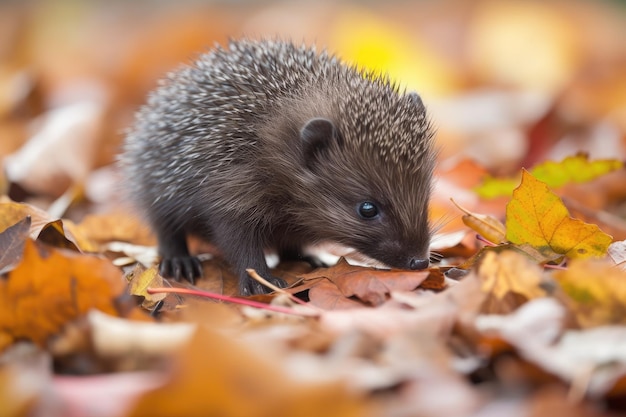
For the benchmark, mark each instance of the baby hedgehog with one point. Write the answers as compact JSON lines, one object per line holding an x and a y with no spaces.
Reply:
{"x":271,"y":145}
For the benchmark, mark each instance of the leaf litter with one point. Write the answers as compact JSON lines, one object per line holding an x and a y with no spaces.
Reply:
{"x":527,"y":320}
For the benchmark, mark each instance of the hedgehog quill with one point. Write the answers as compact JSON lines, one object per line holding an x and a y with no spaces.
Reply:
{"x":271,"y":145}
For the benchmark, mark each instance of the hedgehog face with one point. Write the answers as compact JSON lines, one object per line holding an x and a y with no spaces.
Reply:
{"x":364,"y":201}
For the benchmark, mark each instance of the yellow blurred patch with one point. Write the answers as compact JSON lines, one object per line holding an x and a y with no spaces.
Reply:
{"x":361,"y":38}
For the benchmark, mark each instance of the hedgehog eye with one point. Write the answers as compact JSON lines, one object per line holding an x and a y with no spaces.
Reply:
{"x":367,"y":210}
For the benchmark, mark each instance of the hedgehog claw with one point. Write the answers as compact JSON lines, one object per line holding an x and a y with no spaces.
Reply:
{"x":249,"y":287}
{"x":179,"y":268}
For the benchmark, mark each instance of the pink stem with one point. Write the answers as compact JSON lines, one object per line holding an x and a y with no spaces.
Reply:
{"x":221,"y":297}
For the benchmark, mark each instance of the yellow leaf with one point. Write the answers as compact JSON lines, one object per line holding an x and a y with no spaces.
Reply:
{"x":510,"y":272}
{"x":141,"y":279}
{"x":577,"y":168}
{"x":491,"y":187}
{"x":596,"y":291}
{"x":573,"y":169}
{"x":487,"y":226}
{"x":538,"y":217}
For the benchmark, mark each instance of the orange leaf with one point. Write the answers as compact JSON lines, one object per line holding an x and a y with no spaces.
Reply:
{"x":218,"y":376}
{"x":51,"y":287}
{"x":117,"y":226}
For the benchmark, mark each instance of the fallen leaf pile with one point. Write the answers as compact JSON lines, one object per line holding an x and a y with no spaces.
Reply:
{"x":521,"y":313}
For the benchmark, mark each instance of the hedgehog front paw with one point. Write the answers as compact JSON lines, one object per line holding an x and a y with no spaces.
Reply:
{"x":179,"y":268}
{"x":249,"y":286}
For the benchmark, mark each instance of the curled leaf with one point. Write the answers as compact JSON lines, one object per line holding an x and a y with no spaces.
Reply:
{"x":489,"y":227}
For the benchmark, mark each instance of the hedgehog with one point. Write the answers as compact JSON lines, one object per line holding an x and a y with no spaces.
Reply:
{"x":270,"y":145}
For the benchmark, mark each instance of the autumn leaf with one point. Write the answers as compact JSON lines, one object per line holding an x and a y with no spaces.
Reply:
{"x":510,"y":279}
{"x":374,"y":286}
{"x":117,"y":226}
{"x":537,"y":216}
{"x":487,"y":226}
{"x":54,"y":234}
{"x":596,"y":291}
{"x":326,"y":295}
{"x":492,"y":187}
{"x":515,"y":83}
{"x":12,"y":244}
{"x":140,"y":279}
{"x":577,"y":169}
{"x":573,"y":169}
{"x":51,"y":287}
{"x":369,"y":285}
{"x":12,"y":212}
{"x":216,"y":376}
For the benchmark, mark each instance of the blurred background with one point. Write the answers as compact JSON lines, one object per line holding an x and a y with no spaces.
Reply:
{"x":508,"y":83}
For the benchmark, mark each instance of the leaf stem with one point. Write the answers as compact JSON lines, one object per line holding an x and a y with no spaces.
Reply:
{"x":234,"y":300}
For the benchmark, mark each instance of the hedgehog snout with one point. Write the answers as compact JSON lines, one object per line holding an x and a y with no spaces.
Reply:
{"x":419,"y":263}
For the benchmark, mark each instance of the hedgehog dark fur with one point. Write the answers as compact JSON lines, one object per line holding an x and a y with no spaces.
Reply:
{"x":267,"y":144}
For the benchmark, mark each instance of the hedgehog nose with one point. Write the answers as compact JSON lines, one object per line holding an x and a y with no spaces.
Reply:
{"x":417,"y":263}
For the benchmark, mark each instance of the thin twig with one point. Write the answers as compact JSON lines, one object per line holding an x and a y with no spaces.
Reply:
{"x":273,"y":287}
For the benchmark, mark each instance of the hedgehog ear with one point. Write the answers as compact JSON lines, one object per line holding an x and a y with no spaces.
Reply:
{"x":317,"y":135}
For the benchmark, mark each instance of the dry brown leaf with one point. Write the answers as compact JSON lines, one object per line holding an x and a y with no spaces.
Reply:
{"x":374,"y":286}
{"x":369,"y":285}
{"x":326,"y":295}
{"x":12,"y":212}
{"x":12,"y":244}
{"x":54,"y":234}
